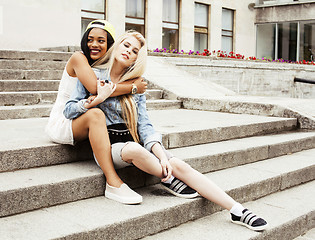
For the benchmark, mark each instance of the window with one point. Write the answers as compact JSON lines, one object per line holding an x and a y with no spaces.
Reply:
{"x":294,"y":41}
{"x":266,"y":44}
{"x":170,"y":24}
{"x":201,"y":27}
{"x":135,"y":10}
{"x":90,"y":10}
{"x":307,"y":41}
{"x":227,"y":30}
{"x":287,"y":41}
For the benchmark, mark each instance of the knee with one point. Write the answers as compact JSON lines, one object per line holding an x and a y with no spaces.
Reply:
{"x":180,"y":166}
{"x":95,"y":115}
{"x":133,"y":149}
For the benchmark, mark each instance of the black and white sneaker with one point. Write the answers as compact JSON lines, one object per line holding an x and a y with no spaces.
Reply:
{"x":179,"y":189}
{"x":250,"y":220}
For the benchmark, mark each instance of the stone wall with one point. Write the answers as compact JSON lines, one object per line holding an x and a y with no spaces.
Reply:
{"x":251,"y":77}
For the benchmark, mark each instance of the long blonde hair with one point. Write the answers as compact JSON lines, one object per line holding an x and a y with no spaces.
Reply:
{"x":128,"y":105}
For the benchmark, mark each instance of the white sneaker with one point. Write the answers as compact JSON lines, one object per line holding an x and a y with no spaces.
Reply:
{"x":123,"y":194}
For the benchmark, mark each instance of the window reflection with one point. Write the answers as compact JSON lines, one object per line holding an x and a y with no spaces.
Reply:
{"x":170,"y":24}
{"x":201,"y":27}
{"x":135,"y":12}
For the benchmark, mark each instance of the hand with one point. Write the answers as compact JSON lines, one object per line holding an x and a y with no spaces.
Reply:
{"x":104,"y":90}
{"x":167,"y":170}
{"x":141,"y":84}
{"x":90,"y":99}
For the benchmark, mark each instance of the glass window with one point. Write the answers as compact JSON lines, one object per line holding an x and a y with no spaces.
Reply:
{"x":307,"y":41}
{"x":170,"y":24}
{"x":201,"y":15}
{"x":93,"y":5}
{"x":287,"y":41}
{"x":265,"y":43}
{"x":170,"y":11}
{"x":135,"y":11}
{"x":170,"y":38}
{"x":227,"y":30}
{"x":91,"y":10}
{"x":135,"y":8}
{"x":201,"y":27}
{"x":201,"y":42}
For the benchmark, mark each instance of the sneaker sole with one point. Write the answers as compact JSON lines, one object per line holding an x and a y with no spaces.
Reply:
{"x":258,"y":228}
{"x":193,"y":195}
{"x":122,"y":200}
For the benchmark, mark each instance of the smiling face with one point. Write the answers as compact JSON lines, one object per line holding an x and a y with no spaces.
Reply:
{"x":127,"y":51}
{"x":97,"y":43}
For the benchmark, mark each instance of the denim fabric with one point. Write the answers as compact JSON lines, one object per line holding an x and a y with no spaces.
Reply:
{"x":112,"y":109}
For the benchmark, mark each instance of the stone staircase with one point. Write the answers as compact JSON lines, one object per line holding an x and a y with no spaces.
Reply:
{"x":29,"y":83}
{"x":53,"y":191}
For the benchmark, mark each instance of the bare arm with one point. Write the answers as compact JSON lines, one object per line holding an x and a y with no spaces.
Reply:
{"x":166,"y":166}
{"x":79,"y":67}
{"x":125,"y":87}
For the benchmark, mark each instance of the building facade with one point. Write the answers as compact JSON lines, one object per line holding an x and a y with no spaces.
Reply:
{"x":285,"y":29}
{"x":269,"y":29}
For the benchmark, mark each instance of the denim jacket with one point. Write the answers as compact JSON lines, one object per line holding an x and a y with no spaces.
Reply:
{"x":113,"y":112}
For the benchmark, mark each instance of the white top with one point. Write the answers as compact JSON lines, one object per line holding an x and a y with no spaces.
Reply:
{"x":59,"y":128}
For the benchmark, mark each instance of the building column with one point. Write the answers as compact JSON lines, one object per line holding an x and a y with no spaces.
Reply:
{"x":186,"y":25}
{"x":153,"y":23}
{"x":115,"y":14}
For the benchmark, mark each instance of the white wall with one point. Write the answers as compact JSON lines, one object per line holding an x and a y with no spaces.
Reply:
{"x":32,"y":24}
{"x":154,"y":24}
{"x":115,"y":14}
{"x":244,"y":27}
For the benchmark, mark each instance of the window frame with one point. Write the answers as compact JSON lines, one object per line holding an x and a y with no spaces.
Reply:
{"x":138,"y":18}
{"x":166,"y":24}
{"x":201,"y":29}
{"x":228,"y":30}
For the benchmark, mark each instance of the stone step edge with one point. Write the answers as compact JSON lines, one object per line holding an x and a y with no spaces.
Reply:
{"x":305,"y":120}
{"x":91,"y":177}
{"x":148,"y":91}
{"x":34,"y":55}
{"x":69,"y":154}
{"x":43,"y":109}
{"x":268,"y":207}
{"x":190,"y":209}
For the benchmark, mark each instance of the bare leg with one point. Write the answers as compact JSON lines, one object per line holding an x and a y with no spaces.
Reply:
{"x":144,"y":160}
{"x":147,"y":162}
{"x":203,"y":185}
{"x":92,"y":125}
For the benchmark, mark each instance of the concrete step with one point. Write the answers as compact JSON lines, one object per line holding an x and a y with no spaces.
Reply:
{"x":27,"y":98}
{"x":43,"y":110}
{"x":289,"y":214}
{"x":21,"y":112}
{"x":31,"y":64}
{"x":23,"y":143}
{"x":309,"y":235}
{"x":7,"y":74}
{"x":44,"y":97}
{"x":52,"y":85}
{"x":100,"y":218}
{"x":34,"y":55}
{"x":28,"y":85}
{"x":85,"y":179}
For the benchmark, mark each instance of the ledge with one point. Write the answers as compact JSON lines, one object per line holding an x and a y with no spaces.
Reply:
{"x":283,"y":4}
